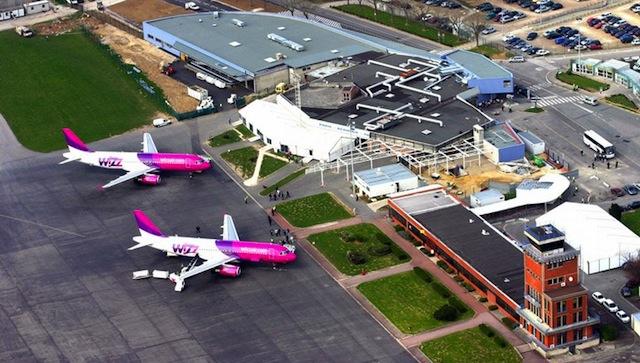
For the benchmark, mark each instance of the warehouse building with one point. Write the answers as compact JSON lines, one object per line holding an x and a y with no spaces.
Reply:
{"x":385,"y":180}
{"x":261,"y":50}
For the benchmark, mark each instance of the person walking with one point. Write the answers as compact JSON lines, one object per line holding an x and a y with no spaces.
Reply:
{"x":288,"y":195}
{"x":269,"y":219}
{"x":246,"y":199}
{"x":273,"y":210}
{"x":197,"y":229}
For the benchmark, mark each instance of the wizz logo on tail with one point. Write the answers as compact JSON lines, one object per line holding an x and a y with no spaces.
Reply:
{"x":185,"y":249}
{"x":110,"y":162}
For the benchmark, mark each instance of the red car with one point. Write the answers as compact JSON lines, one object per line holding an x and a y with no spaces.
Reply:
{"x":595,"y":46}
{"x":599,"y":25}
{"x":617,"y":192}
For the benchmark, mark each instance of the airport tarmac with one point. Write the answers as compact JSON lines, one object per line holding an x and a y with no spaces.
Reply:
{"x":66,"y":291}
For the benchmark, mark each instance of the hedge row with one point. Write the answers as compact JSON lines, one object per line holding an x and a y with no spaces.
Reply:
{"x":425,"y":275}
{"x":441,"y":290}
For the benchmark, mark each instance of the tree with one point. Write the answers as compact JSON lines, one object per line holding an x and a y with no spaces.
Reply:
{"x":616,"y":211}
{"x":406,"y":6}
{"x":290,"y":5}
{"x":477,"y":23}
{"x":306,"y":7}
{"x":375,"y":7}
{"x":631,"y":269}
{"x":456,"y":21}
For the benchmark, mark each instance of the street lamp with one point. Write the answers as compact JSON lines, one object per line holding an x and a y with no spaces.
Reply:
{"x":352,"y":128}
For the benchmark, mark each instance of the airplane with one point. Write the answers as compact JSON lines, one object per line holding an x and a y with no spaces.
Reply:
{"x":218,"y":255}
{"x":140,"y":166}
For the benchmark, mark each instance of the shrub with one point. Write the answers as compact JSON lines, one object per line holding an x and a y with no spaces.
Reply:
{"x":458,"y":278}
{"x":459,"y":305}
{"x":509,"y":323}
{"x":493,"y":307}
{"x":608,"y":332}
{"x":356,"y":258}
{"x":468,"y":287}
{"x":416,"y":242}
{"x":441,"y":290}
{"x":402,"y":256}
{"x":347,"y":237}
{"x":500,"y":341}
{"x":383,"y":239}
{"x":380,"y":250}
{"x":425,"y":251}
{"x":482,"y":299}
{"x":446,"y":313}
{"x":486,"y":330}
{"x":398,"y":228}
{"x":425,"y":275}
{"x":443,"y":265}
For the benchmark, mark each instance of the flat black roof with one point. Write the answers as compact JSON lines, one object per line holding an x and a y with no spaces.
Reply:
{"x":490,"y":254}
{"x":457,"y":116}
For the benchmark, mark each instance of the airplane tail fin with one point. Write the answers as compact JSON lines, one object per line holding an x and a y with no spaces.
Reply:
{"x":146,"y":226}
{"x":76,"y":146}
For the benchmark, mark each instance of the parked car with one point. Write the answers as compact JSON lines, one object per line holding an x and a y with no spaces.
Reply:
{"x":532,"y":36}
{"x":625,"y":291}
{"x":633,"y":205}
{"x":542,"y":52}
{"x":160,"y":122}
{"x":191,"y":6}
{"x":597,"y":296}
{"x":617,"y":192}
{"x":631,"y":189}
{"x":557,"y":6}
{"x":488,"y":30}
{"x":610,"y":305}
{"x":516,"y":59}
{"x":620,"y":314}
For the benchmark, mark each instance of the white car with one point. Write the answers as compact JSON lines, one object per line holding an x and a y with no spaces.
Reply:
{"x":159,"y":122}
{"x":516,"y":59}
{"x":610,"y":305}
{"x":201,"y":76}
{"x":623,"y":316}
{"x":542,"y":52}
{"x":191,"y":6}
{"x":580,"y":47}
{"x":597,"y":296}
{"x":636,"y":41}
{"x":508,"y":37}
{"x":488,"y":30}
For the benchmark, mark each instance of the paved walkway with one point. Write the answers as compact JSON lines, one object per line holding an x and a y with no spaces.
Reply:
{"x":253,"y":181}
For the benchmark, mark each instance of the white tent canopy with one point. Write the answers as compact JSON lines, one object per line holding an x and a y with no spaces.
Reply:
{"x":605,"y":243}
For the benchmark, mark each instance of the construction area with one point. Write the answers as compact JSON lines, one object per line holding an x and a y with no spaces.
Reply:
{"x":142,"y":10}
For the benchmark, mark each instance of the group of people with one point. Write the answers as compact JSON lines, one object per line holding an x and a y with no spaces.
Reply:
{"x":278,"y":194}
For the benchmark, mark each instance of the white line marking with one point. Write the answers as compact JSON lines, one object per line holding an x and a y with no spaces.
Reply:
{"x":585,"y":109}
{"x":41,"y":225}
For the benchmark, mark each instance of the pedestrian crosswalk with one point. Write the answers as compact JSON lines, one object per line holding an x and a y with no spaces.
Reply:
{"x":537,"y":87}
{"x":555,"y":100}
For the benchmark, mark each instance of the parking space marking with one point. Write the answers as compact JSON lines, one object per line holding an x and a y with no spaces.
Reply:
{"x":40,"y":225}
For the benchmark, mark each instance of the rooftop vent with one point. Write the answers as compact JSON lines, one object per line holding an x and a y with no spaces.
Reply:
{"x":235,"y":44}
{"x":470,"y":220}
{"x":427,"y":132}
{"x":506,"y":280}
{"x":214,"y":24}
{"x":286,"y":42}
{"x":435,"y":114}
{"x":282,"y":27}
{"x":424,"y":100}
{"x":437,"y":88}
{"x":270,"y":60}
{"x":352,"y":116}
{"x":238,"y":22}
{"x":484,"y":232}
{"x":389,"y":95}
{"x":306,"y":39}
{"x":199,"y":20}
{"x":334,"y":51}
{"x":216,"y":15}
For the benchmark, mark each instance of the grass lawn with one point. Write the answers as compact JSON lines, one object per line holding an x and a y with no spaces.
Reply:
{"x":312,"y":210}
{"x":277,"y":185}
{"x":227,"y":137}
{"x":367,"y":236}
{"x":622,"y":101}
{"x":632,"y":221}
{"x":534,"y":109}
{"x":582,"y":82}
{"x":270,"y":165}
{"x":246,"y":133}
{"x":468,"y":346}
{"x":491,"y":51}
{"x":407,"y":301}
{"x":395,"y":21}
{"x":244,"y":160}
{"x":66,"y":81}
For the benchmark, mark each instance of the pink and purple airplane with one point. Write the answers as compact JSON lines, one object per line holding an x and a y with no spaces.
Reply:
{"x":218,"y":255}
{"x":140,"y":166}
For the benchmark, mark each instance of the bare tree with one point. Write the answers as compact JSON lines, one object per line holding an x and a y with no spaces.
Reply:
{"x":290,"y":5}
{"x":456,"y":21}
{"x":631,"y":268}
{"x":406,"y":6}
{"x":477,"y":23}
{"x":306,"y":7}
{"x":375,"y":7}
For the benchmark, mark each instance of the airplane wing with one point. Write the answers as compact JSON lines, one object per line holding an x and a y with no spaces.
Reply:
{"x":229,"y":232}
{"x":128,"y":176}
{"x":147,"y":144}
{"x":213,"y":260}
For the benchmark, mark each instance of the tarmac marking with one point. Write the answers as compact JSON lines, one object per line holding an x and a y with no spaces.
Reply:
{"x":41,"y":225}
{"x":585,"y":109}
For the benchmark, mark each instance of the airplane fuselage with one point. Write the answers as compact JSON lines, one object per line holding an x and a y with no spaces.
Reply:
{"x":134,"y":160}
{"x":243,"y":251}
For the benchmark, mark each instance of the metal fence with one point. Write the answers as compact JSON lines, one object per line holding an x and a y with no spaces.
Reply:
{"x":118,"y":21}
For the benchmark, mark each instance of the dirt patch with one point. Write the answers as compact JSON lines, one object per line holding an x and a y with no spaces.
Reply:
{"x":479,"y":177}
{"x":254,"y":5}
{"x":66,"y":24}
{"x":148,"y":58}
{"x":141,"y":10}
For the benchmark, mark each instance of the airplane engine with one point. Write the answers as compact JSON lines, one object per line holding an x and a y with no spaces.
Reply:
{"x":229,"y":270}
{"x":149,"y":179}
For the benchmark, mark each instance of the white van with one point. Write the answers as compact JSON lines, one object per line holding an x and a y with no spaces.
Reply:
{"x":590,"y":100}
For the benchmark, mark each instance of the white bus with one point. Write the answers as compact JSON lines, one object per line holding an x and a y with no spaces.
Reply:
{"x":598,"y":144}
